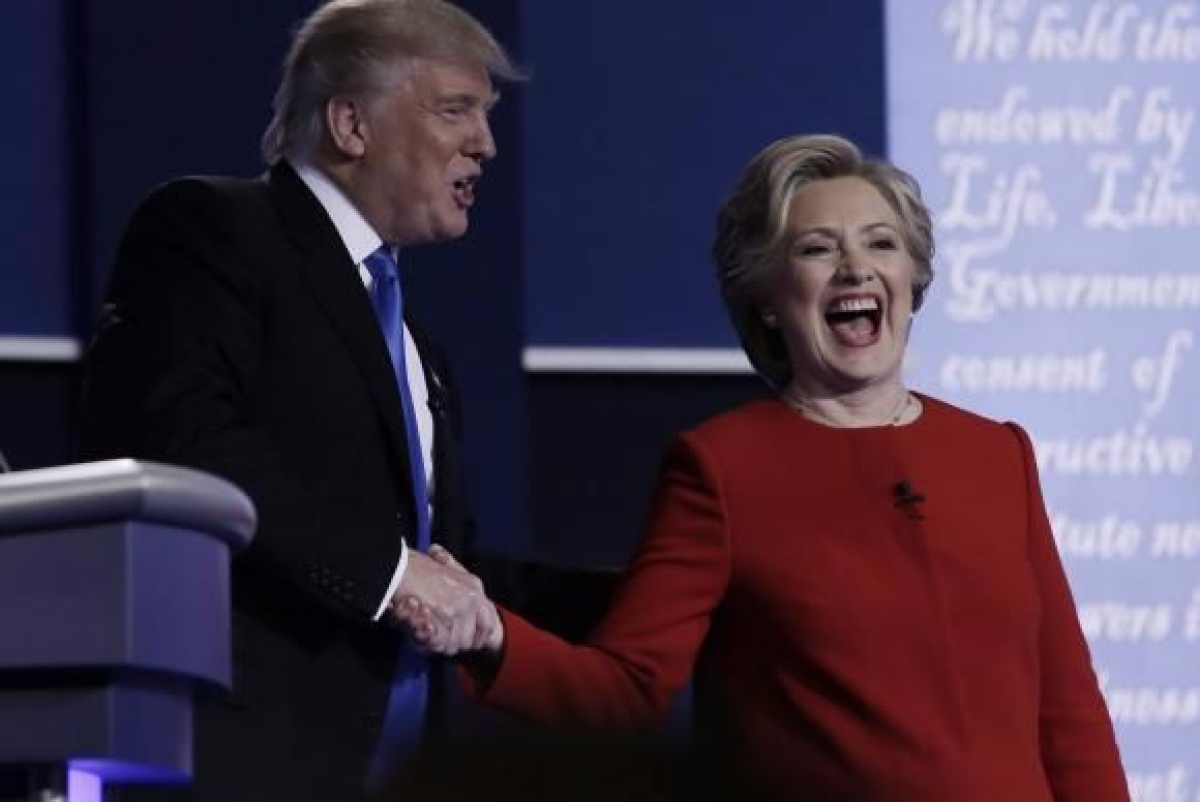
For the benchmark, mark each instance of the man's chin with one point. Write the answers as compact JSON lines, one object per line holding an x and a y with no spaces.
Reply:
{"x":452,"y":228}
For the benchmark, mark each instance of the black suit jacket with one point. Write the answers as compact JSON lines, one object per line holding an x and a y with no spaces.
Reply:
{"x":237,"y":338}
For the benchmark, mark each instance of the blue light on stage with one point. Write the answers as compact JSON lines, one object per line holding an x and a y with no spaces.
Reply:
{"x":84,"y":787}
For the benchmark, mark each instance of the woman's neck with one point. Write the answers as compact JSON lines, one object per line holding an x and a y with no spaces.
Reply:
{"x":890,"y":405}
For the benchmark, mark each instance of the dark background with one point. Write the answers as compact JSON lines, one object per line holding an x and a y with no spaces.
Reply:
{"x":613,"y":159}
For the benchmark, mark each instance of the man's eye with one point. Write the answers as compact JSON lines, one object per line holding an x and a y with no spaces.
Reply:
{"x":453,"y":112}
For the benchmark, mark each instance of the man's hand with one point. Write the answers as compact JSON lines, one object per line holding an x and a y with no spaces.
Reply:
{"x":444,"y":606}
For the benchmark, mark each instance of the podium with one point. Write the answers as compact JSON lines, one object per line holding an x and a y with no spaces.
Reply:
{"x":114,"y":611}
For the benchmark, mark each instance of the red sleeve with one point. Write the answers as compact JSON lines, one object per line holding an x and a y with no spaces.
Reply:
{"x":1079,"y":750}
{"x":643,"y":650}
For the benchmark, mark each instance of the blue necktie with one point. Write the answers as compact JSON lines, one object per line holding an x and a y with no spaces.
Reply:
{"x":409,"y":696}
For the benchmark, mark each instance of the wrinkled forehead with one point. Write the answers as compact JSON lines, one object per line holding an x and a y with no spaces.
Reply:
{"x":839,"y":203}
{"x":467,"y":78}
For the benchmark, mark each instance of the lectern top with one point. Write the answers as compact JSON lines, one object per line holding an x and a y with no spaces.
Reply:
{"x":94,"y":492}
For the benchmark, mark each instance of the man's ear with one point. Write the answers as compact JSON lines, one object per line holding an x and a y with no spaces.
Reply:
{"x":346,"y":120}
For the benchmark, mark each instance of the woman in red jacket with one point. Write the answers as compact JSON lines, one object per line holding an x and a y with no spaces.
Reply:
{"x":861,"y":578}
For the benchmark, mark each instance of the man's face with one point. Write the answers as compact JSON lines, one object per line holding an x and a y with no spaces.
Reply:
{"x":425,"y":145}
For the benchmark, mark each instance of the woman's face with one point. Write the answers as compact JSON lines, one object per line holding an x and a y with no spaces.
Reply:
{"x":842,"y":300}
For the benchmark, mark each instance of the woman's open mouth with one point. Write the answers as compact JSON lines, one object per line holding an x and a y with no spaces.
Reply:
{"x":854,"y":320}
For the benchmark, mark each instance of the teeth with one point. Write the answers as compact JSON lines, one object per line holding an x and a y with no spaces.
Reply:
{"x":854,"y":305}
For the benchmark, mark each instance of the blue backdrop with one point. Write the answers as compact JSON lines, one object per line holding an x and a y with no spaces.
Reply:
{"x":38,"y":297}
{"x":639,"y":118}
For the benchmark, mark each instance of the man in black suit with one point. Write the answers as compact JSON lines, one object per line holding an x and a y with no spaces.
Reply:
{"x":243,"y":335}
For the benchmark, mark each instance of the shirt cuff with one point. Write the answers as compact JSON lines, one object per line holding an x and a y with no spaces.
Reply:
{"x":395,"y":583}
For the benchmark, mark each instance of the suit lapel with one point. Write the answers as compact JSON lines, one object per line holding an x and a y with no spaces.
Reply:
{"x":333,"y":280}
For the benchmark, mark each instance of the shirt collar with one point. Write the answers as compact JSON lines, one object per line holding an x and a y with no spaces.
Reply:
{"x":357,"y":235}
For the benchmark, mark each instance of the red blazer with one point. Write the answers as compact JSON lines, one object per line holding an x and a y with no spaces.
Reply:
{"x":851,"y":639}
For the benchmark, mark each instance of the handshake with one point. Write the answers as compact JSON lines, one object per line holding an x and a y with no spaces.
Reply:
{"x":443,"y":606}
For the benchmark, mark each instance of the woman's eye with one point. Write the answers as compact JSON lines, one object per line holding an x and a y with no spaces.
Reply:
{"x":884,"y":244}
{"x":813,"y":249}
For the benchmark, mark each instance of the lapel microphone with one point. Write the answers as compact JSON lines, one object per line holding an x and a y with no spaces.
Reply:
{"x":907,"y":498}
{"x":437,"y":393}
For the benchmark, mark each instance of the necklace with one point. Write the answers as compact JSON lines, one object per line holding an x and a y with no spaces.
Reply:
{"x":893,"y":418}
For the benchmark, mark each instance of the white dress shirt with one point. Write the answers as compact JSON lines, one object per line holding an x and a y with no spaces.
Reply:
{"x":361,"y":241}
